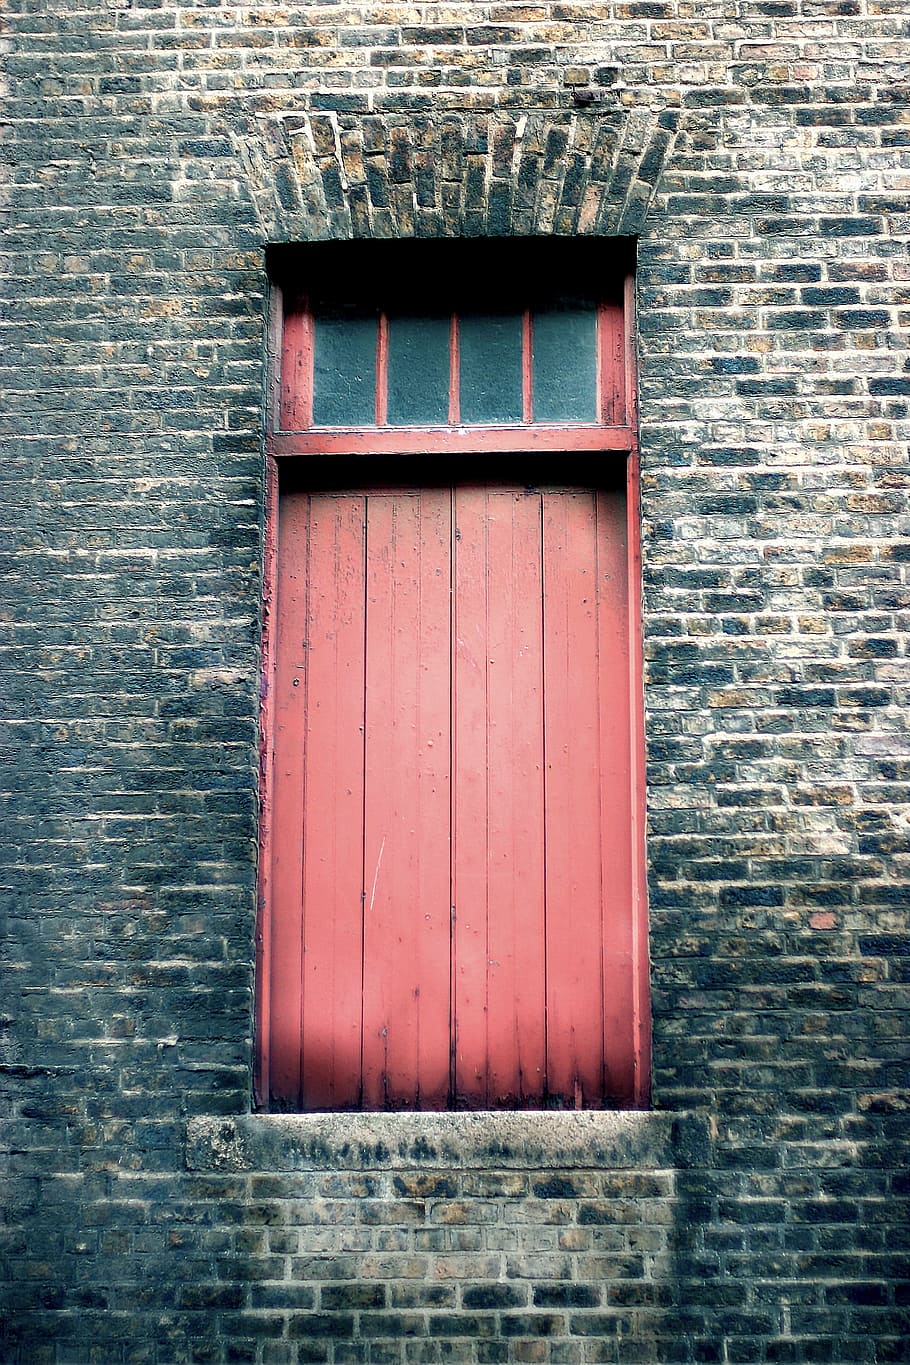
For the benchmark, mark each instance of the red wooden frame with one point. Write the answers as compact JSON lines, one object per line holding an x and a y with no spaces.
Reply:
{"x":292,"y":438}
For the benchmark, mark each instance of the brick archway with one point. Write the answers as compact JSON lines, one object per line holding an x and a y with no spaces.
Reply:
{"x":456,"y":174}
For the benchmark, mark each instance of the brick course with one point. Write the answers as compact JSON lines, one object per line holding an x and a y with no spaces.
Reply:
{"x":759,"y":151}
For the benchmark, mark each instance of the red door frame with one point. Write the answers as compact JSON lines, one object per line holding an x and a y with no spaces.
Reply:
{"x":307,"y":447}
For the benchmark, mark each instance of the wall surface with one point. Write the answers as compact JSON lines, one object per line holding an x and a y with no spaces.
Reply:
{"x":760,"y":152}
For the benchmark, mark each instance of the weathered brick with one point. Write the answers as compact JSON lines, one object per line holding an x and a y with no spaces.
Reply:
{"x":493,"y":1296}
{"x":156,"y":150}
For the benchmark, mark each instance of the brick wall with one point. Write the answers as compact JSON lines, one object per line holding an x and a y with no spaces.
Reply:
{"x":759,"y":150}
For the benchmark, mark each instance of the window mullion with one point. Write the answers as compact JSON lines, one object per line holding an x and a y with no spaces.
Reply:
{"x":382,"y":371}
{"x":527,"y":368}
{"x":454,"y":374}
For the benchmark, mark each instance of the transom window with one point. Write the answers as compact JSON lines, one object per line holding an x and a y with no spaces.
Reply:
{"x":409,"y":349}
{"x":470,"y":368}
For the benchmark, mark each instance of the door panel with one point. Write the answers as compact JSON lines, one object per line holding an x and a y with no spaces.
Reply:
{"x":407,"y":801}
{"x":452,"y":912}
{"x":498,"y":951}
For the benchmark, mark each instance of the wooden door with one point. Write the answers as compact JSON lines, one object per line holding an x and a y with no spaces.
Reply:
{"x":452,"y":920}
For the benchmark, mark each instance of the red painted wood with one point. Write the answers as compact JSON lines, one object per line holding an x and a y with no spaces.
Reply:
{"x":615,"y":760}
{"x":407,"y":802}
{"x":297,"y":372}
{"x":451,"y":441}
{"x":332,"y":879}
{"x":573,"y":796}
{"x":516,"y":992}
{"x":630,"y":386}
{"x":527,"y":367}
{"x":611,"y":369}
{"x":531,"y":669}
{"x":499,"y":968}
{"x":285,"y":949}
{"x":470,"y":798}
{"x":454,"y":374}
{"x":382,"y":371}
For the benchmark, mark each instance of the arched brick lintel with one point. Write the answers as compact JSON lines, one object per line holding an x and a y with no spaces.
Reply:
{"x":317,"y":177}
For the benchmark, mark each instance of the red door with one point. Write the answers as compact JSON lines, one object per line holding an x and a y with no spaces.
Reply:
{"x":452,"y":920}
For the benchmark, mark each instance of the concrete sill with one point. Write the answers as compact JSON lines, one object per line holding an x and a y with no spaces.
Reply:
{"x":615,"y":1140}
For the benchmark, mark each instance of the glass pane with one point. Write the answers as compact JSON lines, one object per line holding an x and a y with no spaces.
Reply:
{"x":344,"y":371}
{"x":490,"y":355}
{"x":418,"y":371}
{"x":565,"y":366}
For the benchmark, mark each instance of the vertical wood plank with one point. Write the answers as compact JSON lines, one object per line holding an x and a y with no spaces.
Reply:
{"x":516,"y":995}
{"x":274,"y":348}
{"x":470,"y":851}
{"x":407,"y":801}
{"x":573,"y":801}
{"x":499,"y":966}
{"x":289,"y":713}
{"x":527,"y":367}
{"x":333,"y":810}
{"x":615,"y":759}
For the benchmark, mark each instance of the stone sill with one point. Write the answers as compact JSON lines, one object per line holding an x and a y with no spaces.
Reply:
{"x":598,"y":1140}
